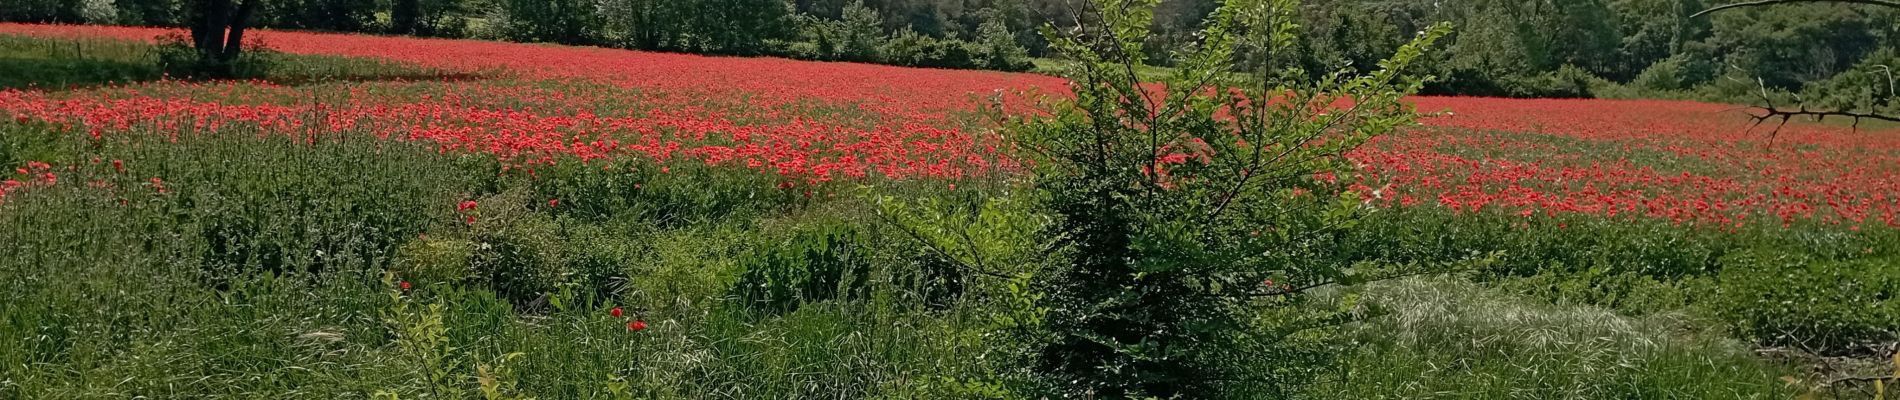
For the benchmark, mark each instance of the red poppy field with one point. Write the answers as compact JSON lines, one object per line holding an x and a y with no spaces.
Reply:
{"x":398,"y":217}
{"x":810,"y":122}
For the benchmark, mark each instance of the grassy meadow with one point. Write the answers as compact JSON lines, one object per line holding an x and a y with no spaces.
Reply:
{"x":336,"y":248}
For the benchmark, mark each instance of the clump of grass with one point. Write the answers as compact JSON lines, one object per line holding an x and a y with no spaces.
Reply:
{"x":1449,"y":338}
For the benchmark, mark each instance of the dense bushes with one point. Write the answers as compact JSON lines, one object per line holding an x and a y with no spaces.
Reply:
{"x":1812,"y":289}
{"x":817,"y":264}
{"x":859,"y":37}
{"x":1179,"y":266}
{"x":1827,"y":306}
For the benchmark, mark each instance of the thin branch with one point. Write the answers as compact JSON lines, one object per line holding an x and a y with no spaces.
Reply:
{"x":1771,"y":112}
{"x":1768,"y":110}
{"x":919,"y":238}
{"x":1759,"y":3}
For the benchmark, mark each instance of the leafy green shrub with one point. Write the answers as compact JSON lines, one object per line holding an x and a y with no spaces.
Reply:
{"x":435,"y":259}
{"x":860,"y":37}
{"x":178,"y":58}
{"x":1827,"y":306}
{"x":599,"y":260}
{"x":966,"y":242}
{"x":852,"y":38}
{"x":907,"y":47}
{"x":817,"y":264}
{"x":1678,"y":72}
{"x":554,"y":21}
{"x":518,"y":256}
{"x":1184,"y":212}
{"x":1871,"y":87}
{"x":998,"y":50}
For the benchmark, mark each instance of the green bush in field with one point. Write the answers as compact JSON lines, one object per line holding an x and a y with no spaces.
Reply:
{"x":1186,"y":215}
{"x":819,"y":263}
{"x":637,"y":191}
{"x":177,"y":57}
{"x":1820,"y":305}
{"x":521,"y":260}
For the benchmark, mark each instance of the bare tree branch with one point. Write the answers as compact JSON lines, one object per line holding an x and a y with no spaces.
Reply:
{"x":1759,"y":3}
{"x":1769,"y":111}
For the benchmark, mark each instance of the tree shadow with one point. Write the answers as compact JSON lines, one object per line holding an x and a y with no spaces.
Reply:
{"x":69,"y":74}
{"x":60,"y":74}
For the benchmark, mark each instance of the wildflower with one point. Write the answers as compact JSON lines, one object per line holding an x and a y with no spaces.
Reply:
{"x":552,"y":203}
{"x":118,"y":165}
{"x":637,"y":325}
{"x":404,"y":285}
{"x":616,"y":312}
{"x":465,"y":206}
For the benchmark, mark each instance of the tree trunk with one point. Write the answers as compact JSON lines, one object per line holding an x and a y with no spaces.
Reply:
{"x":208,"y":33}
{"x":234,"y":43}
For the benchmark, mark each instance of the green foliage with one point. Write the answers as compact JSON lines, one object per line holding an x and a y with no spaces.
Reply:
{"x":1674,"y":74}
{"x":328,"y":15}
{"x":1870,"y":87}
{"x":744,"y":27}
{"x":985,"y":244}
{"x":149,"y":12}
{"x":859,"y":36}
{"x":553,"y":21}
{"x":256,"y":268}
{"x":29,"y":62}
{"x":447,"y":18}
{"x":42,"y":11}
{"x":1818,"y":305}
{"x":998,"y":49}
{"x":662,"y":195}
{"x":852,"y":38}
{"x":518,"y":254}
{"x":178,"y":58}
{"x":1448,"y":338}
{"x":1162,"y":195}
{"x":820,"y":263}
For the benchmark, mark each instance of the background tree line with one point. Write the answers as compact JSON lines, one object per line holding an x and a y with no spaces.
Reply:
{"x":1522,"y":48}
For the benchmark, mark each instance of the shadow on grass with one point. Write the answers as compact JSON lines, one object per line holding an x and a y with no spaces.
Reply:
{"x":55,"y":74}
{"x":55,"y":65}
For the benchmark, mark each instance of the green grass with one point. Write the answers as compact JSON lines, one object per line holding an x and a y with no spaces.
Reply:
{"x":1051,"y":66}
{"x":50,"y":64}
{"x":1451,"y":339}
{"x":267,"y":268}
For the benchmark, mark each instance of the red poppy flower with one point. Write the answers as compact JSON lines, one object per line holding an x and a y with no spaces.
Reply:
{"x":404,"y":285}
{"x":466,"y":205}
{"x":637,"y":325}
{"x":616,"y":312}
